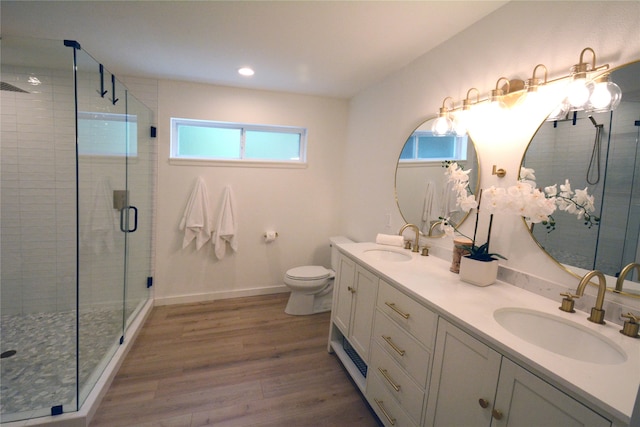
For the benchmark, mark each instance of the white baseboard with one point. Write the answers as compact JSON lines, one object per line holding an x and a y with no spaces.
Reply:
{"x":212,"y":296}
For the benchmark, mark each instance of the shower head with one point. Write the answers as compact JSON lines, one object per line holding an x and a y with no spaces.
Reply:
{"x":594,"y":122}
{"x":11,"y":88}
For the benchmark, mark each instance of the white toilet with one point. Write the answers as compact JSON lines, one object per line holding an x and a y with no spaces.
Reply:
{"x":312,"y":285}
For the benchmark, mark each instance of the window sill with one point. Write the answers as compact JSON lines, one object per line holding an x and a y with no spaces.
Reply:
{"x":238,"y":163}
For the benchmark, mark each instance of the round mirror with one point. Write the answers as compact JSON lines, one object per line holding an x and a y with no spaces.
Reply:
{"x":599,"y":152}
{"x":422,"y":192}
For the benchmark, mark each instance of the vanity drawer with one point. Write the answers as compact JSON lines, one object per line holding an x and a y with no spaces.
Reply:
{"x":398,"y":383}
{"x":403,"y":348}
{"x":388,"y":409}
{"x":418,"y":320}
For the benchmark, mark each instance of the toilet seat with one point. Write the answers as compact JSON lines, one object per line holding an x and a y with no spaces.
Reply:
{"x":309,"y":272}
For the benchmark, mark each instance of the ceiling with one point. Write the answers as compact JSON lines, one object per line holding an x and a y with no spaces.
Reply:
{"x":327,"y":48}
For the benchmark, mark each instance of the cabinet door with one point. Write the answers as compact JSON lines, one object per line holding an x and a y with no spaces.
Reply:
{"x":343,"y":293}
{"x":364,"y":307}
{"x":464,"y":380}
{"x":525,"y":400}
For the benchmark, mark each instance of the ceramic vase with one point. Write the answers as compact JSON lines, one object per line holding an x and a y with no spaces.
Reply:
{"x":479,"y":273}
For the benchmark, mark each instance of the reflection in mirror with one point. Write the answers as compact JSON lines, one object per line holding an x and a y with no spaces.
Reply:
{"x":422,"y":192}
{"x":601,"y":152}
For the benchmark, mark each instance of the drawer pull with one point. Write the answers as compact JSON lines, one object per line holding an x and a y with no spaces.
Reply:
{"x":484,"y":403}
{"x":386,"y":376}
{"x":350,"y":289}
{"x":497,"y":414}
{"x":392,"y":420}
{"x":393,"y":346}
{"x":392,"y":306}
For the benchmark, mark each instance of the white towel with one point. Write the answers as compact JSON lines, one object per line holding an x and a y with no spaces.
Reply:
{"x":227,"y":226}
{"x":430,"y":208}
{"x":197,"y":220}
{"x":103,"y":220}
{"x":449,"y":200}
{"x":390,"y":239}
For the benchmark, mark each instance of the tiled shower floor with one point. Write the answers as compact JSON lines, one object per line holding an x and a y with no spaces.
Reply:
{"x":42,"y":372}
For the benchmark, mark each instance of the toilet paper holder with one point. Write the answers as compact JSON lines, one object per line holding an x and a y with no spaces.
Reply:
{"x":270,"y":236}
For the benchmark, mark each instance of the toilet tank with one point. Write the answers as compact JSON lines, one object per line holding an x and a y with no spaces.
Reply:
{"x":334,"y":250}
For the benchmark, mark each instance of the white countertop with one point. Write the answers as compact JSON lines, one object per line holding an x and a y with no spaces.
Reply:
{"x":612,"y":388}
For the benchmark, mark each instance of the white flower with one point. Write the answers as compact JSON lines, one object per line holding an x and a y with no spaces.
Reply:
{"x":551,"y":191}
{"x":466,"y":203}
{"x":565,"y":190}
{"x":583,"y":199}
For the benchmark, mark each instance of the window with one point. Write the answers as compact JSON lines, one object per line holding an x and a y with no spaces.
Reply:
{"x":237,"y":142}
{"x":423,"y":146}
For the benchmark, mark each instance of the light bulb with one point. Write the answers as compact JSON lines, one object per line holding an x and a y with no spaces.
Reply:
{"x":460,"y":123}
{"x":578,"y":93}
{"x":442,"y":126}
{"x":605,"y":96}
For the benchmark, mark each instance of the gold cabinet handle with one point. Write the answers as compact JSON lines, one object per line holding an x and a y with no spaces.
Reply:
{"x":497,"y":414}
{"x":393,"y":346}
{"x":380,"y":403}
{"x":350,"y":289}
{"x":484,"y":403}
{"x":387,"y":377}
{"x":392,"y":306}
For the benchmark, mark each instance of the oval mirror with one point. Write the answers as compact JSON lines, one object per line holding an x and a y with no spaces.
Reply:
{"x":422,"y":193}
{"x":600,"y":152}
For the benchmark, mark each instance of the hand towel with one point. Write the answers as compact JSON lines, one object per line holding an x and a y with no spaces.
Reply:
{"x":449,"y":200}
{"x":103,"y":220}
{"x":197,"y":220}
{"x":429,"y":207}
{"x":390,"y":239}
{"x":227,"y":225}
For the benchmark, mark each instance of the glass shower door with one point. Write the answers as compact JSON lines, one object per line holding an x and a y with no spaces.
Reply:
{"x":138,"y":214}
{"x":102,"y":193}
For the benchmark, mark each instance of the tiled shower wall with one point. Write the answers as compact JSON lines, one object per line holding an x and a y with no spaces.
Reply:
{"x":38,"y":216}
{"x":38,"y":198}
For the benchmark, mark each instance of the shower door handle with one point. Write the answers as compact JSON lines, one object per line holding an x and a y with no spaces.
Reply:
{"x":125,"y":211}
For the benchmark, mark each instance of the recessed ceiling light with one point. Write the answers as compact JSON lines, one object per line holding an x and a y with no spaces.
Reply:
{"x":246,"y":71}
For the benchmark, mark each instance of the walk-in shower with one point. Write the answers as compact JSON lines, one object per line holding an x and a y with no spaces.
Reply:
{"x":76,"y":201}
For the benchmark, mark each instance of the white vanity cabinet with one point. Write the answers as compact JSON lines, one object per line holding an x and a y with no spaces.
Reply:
{"x":402,"y":346}
{"x":473,"y":385}
{"x":353,"y":306}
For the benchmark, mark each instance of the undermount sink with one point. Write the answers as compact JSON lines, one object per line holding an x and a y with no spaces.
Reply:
{"x":388,"y":255}
{"x":560,"y":336}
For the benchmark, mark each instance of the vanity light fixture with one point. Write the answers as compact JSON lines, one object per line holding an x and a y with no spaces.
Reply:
{"x":578,"y":92}
{"x":461,"y":118}
{"x":533,"y":83}
{"x":443,"y":125}
{"x":496,"y":94}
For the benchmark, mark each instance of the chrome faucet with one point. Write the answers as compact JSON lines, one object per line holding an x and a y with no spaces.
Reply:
{"x":415,"y":247}
{"x":597,"y":313}
{"x":626,"y":270}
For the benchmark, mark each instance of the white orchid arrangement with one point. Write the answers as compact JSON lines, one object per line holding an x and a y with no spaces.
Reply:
{"x":536,"y":206}
{"x":523,"y":199}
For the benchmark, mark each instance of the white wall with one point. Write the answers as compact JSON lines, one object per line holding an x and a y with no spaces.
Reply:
{"x":510,"y":42}
{"x":302,"y":205}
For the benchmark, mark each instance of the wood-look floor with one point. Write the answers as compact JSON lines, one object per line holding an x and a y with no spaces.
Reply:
{"x":236,"y":362}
